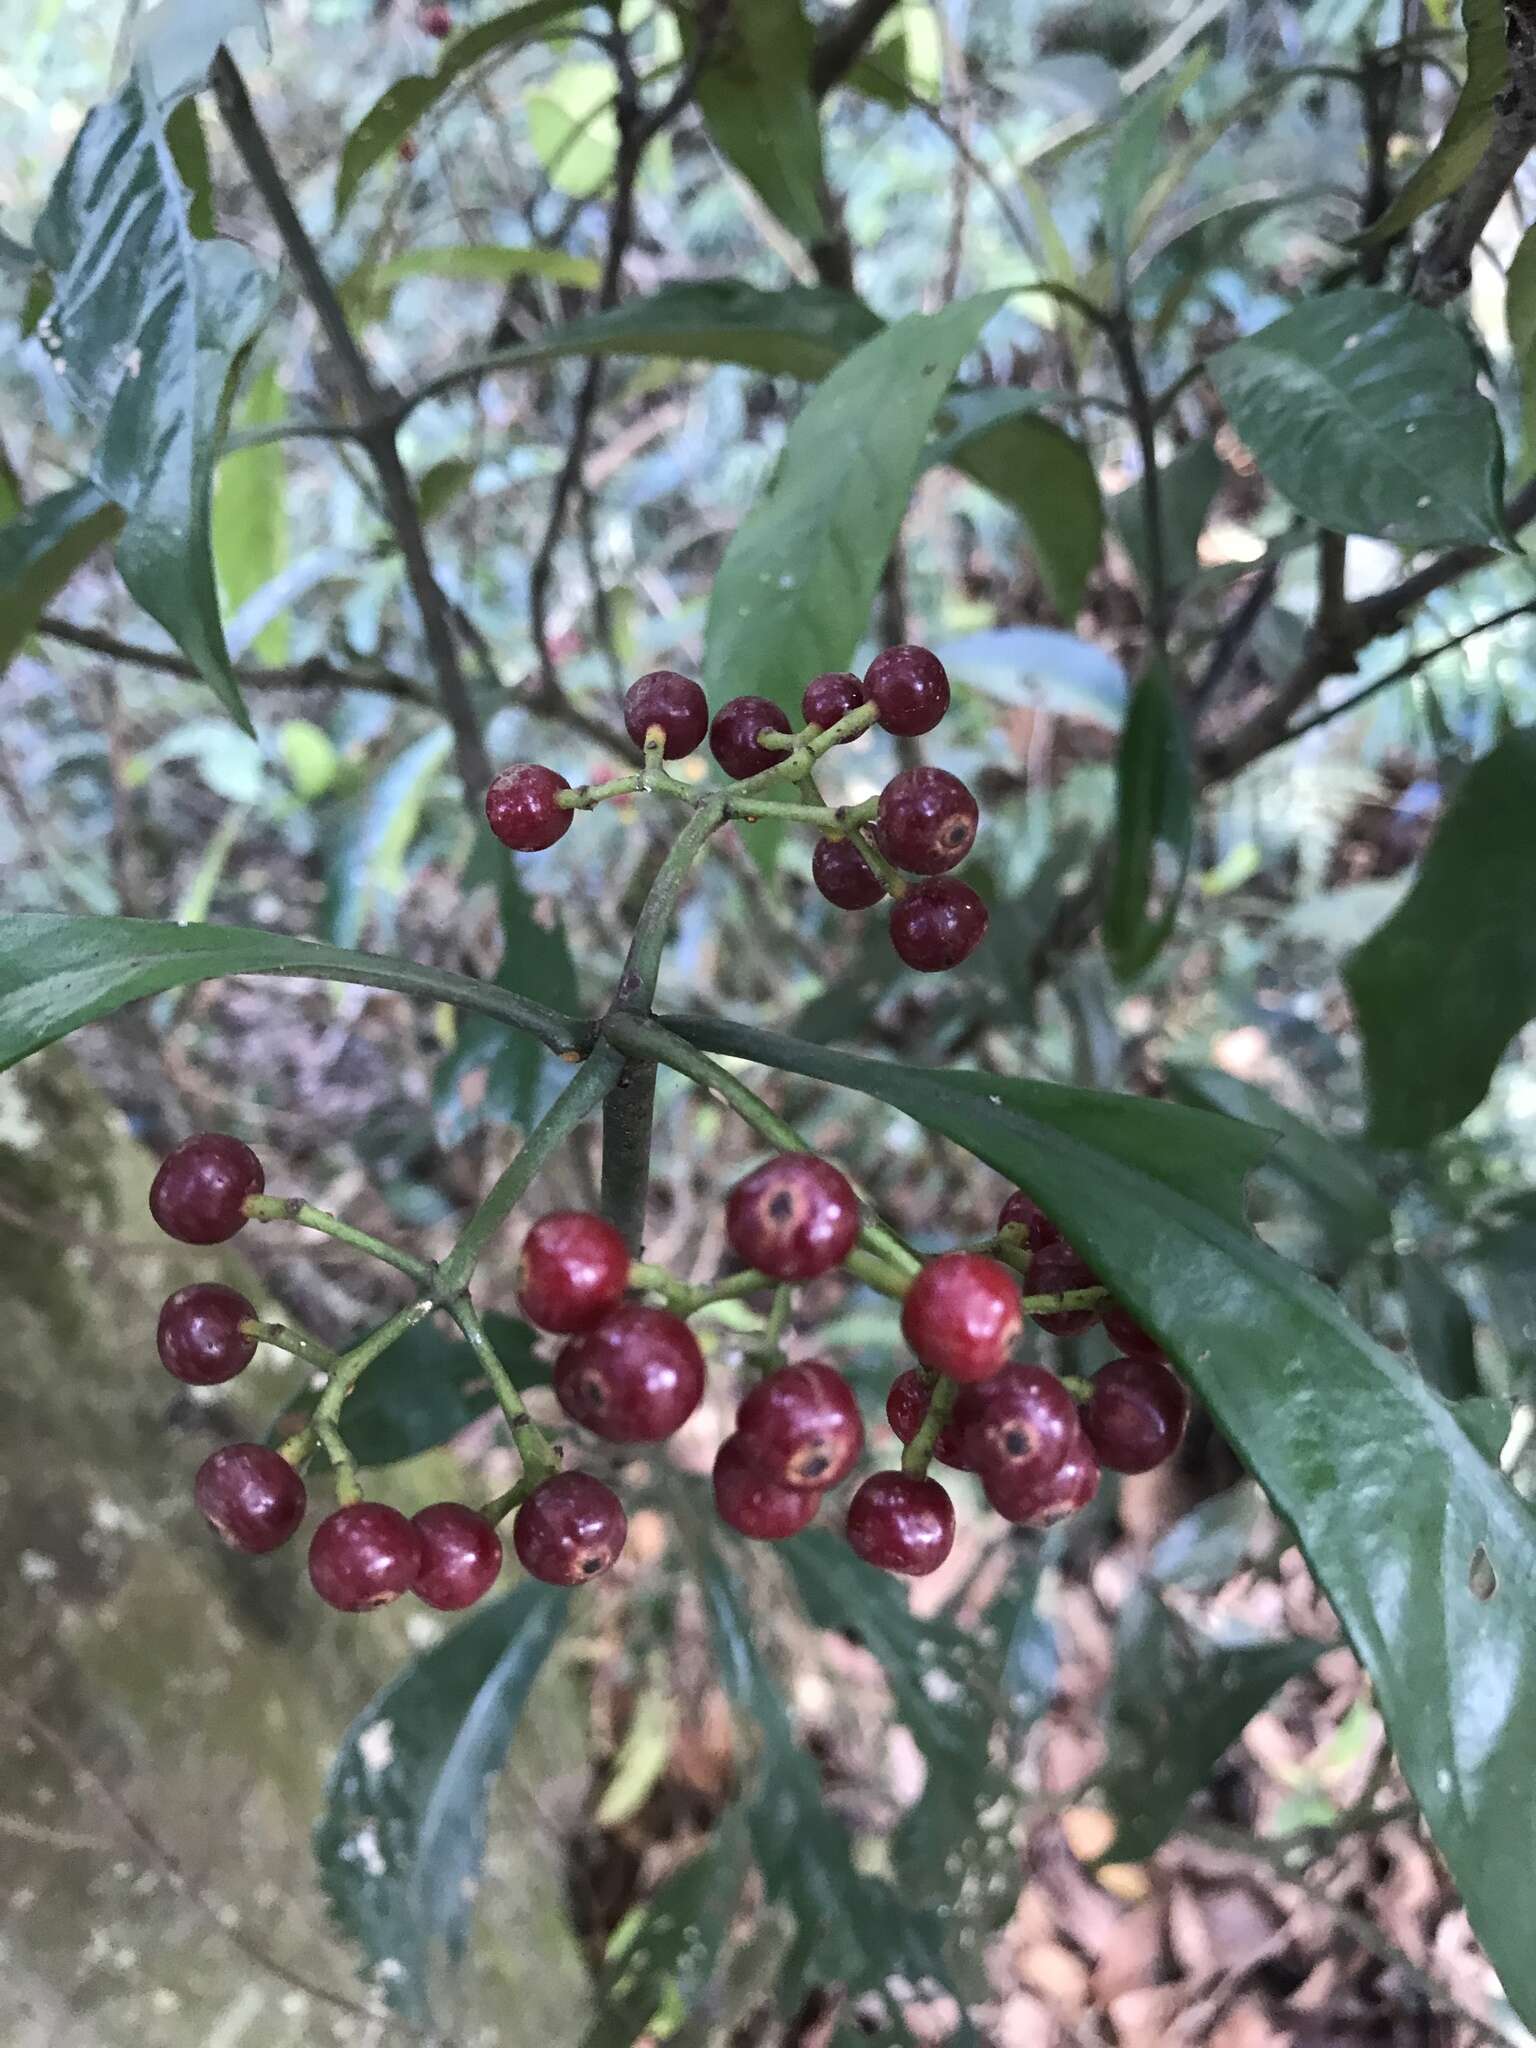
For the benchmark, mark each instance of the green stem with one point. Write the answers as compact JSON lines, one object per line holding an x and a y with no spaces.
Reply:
{"x":850,"y":825}
{"x":324,"y":1424}
{"x":629,"y":1110}
{"x":637,"y":984}
{"x":808,"y":750}
{"x":284,"y":1337}
{"x":1054,"y":1304}
{"x":876,"y":1273}
{"x":918,"y":1455}
{"x":586,"y":1089}
{"x":293,"y":1209}
{"x":540,"y":1460}
{"x":498,"y":1509}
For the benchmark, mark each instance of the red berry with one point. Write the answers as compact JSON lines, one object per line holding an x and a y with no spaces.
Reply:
{"x":199,"y":1192}
{"x":962,"y":1315}
{"x":927,"y":821}
{"x":1135,"y":1413}
{"x":1057,"y":1269}
{"x":1127,"y":1335}
{"x":199,"y":1338}
{"x":633,"y":1379}
{"x":1049,"y":1493}
{"x":828,"y":699}
{"x":908,"y":688}
{"x":906,"y":1407}
{"x":675,"y":703}
{"x":1027,"y":1422}
{"x":844,"y":876}
{"x":733,"y":738}
{"x":902,"y":1523}
{"x":250,"y":1496}
{"x":801,"y":1426}
{"x":569,"y":1529}
{"x":574,"y":1269}
{"x":406,"y":149}
{"x":521,"y":809}
{"x":938,"y":924}
{"x":364,"y":1556}
{"x":436,"y":21}
{"x":1038,"y":1227}
{"x":753,"y":1505}
{"x":460,"y":1556}
{"x":793,"y":1218}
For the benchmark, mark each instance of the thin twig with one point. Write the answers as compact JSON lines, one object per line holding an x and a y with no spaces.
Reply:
{"x":314,"y":674}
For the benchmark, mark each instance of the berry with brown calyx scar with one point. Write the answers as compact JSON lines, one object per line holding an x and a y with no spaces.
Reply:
{"x":521,"y":807}
{"x":753,"y":1505}
{"x":828,"y":699}
{"x":901,"y":1523}
{"x":569,"y":1529}
{"x":938,"y":924}
{"x":199,"y":1337}
{"x":1028,"y":1215}
{"x":927,"y":821}
{"x":1046,"y":1495}
{"x":793,"y":1217}
{"x":906,"y":1409}
{"x":198,"y":1195}
{"x":909,"y":690}
{"x":250,"y":1496}
{"x":634,"y":1378}
{"x":1135,"y":1413}
{"x":1058,"y":1269}
{"x":1027,"y":1423}
{"x":460,"y":1556}
{"x":734,"y":738}
{"x":844,"y":876}
{"x":961,"y":1315}
{"x":1127,"y":1335}
{"x":574,"y":1269}
{"x":363,"y":1556}
{"x":675,"y":703}
{"x":801,"y":1426}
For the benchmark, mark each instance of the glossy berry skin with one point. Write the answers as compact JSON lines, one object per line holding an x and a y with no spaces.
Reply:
{"x":675,"y":703}
{"x":733,"y":737}
{"x":1127,"y":1335}
{"x":1027,"y":1423}
{"x":753,"y":1505}
{"x":199,"y":1338}
{"x":906,"y":1407}
{"x":198,"y":1193}
{"x":569,"y":1529}
{"x":962,"y":1315}
{"x":1027,"y":1214}
{"x":927,"y":821}
{"x":363,"y":1556}
{"x":460,"y":1556}
{"x":633,"y":1379}
{"x":250,"y":1496}
{"x":844,"y":876}
{"x":938,"y":924}
{"x":829,"y":698}
{"x":908,"y":688}
{"x":1135,"y":1413}
{"x":521,"y":810}
{"x":793,"y":1217}
{"x":1042,"y":1497}
{"x":1057,"y":1269}
{"x":902,"y":1523}
{"x":800,"y":1427}
{"x":573,"y":1271}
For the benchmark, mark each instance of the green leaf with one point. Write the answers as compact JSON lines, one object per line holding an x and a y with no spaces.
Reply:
{"x":1439,"y":1328}
{"x":793,"y":593}
{"x":1442,"y":987}
{"x":1045,"y":476}
{"x":478,"y":262}
{"x":402,"y":1834}
{"x":443,"y":484}
{"x":1136,"y":154}
{"x":376,"y":833}
{"x":755,"y":95}
{"x":250,"y":520}
{"x":40,"y":549}
{"x":574,"y":129}
{"x":1520,"y":317}
{"x":57,"y":973}
{"x":1155,"y":807}
{"x":310,"y":757}
{"x":397,"y":110}
{"x":145,"y":329}
{"x":1362,"y":409}
{"x":1186,"y":486}
{"x":1178,"y":1702}
{"x":189,"y":152}
{"x":1460,"y":149}
{"x":1390,"y":1497}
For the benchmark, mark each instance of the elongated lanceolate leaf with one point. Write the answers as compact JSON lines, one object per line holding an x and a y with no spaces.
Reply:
{"x":755,"y":95}
{"x":40,"y":549}
{"x":1459,"y":151}
{"x":1154,"y":812}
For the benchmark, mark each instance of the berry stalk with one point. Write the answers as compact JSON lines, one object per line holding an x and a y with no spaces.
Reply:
{"x":918,"y":1455}
{"x":539,"y":1458}
{"x":349,"y":1369}
{"x":293,"y":1209}
{"x":284,"y":1337}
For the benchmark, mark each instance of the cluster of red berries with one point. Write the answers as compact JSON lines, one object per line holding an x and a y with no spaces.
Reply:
{"x":925,"y":824}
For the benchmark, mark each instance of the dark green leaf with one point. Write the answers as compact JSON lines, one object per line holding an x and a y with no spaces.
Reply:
{"x":1136,"y":155}
{"x":189,"y":152}
{"x":1504,"y":1253}
{"x":1390,"y":1498}
{"x":755,"y":95}
{"x":443,"y":484}
{"x":146,"y":326}
{"x":1442,"y":987}
{"x":1520,"y":318}
{"x":57,"y":973}
{"x":881,"y":73}
{"x":1460,"y":149}
{"x":1439,"y":1328}
{"x":40,"y":549}
{"x":401,"y":1837}
{"x":1155,"y":809}
{"x":1186,"y":486}
{"x":1046,"y":477}
{"x":1178,"y":1703}
{"x":792,"y":595}
{"x":1362,"y":409}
